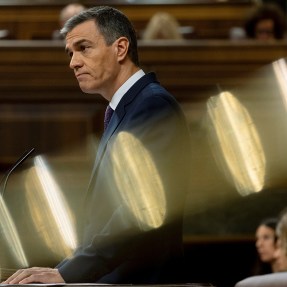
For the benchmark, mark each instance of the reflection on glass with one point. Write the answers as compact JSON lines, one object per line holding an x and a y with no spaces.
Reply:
{"x":49,"y":210}
{"x":140,"y":186}
{"x":280,"y":70}
{"x":10,"y":233}
{"x":237,"y":142}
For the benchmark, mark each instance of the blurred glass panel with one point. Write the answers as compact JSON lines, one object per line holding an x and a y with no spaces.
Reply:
{"x":239,"y":163}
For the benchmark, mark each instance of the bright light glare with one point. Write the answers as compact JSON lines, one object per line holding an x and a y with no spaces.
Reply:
{"x":49,"y":210}
{"x":138,"y":181}
{"x":236,"y":136}
{"x":8,"y":229}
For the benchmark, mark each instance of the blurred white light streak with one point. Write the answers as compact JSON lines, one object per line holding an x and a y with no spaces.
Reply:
{"x":8,"y":229}
{"x":239,"y":142}
{"x":281,"y":76}
{"x":138,"y":181}
{"x":56,"y":203}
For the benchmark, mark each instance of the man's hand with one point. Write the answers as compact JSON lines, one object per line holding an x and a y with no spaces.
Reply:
{"x":35,"y":275}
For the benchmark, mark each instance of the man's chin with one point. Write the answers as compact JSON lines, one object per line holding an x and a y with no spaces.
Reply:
{"x":87,"y":91}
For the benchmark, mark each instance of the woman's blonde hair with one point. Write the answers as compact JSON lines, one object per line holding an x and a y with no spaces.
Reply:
{"x":281,"y":229}
{"x":162,"y":25}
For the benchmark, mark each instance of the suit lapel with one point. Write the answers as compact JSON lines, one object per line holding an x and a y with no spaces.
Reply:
{"x":120,"y":111}
{"x":119,"y":114}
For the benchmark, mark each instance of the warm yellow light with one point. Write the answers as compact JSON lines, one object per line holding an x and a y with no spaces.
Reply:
{"x":138,"y":181}
{"x":9,"y":231}
{"x":49,"y":210}
{"x":235,"y":136}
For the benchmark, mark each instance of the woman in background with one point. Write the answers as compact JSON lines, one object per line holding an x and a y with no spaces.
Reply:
{"x":275,"y":279}
{"x":265,"y":243}
{"x":162,"y":25}
{"x":265,"y":22}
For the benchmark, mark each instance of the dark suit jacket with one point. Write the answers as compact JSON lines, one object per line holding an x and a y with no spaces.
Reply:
{"x":135,"y":201}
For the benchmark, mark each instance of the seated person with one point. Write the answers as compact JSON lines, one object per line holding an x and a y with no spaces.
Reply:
{"x":265,"y":242}
{"x":265,"y":22}
{"x":162,"y":26}
{"x":280,"y":3}
{"x":278,"y":279}
{"x":66,"y":13}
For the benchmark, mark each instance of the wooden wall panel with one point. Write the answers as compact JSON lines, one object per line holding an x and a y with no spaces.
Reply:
{"x":27,"y":20}
{"x":40,"y":99}
{"x":49,"y":128}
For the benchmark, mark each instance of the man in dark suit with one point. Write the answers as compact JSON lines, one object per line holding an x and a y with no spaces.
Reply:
{"x":135,"y":200}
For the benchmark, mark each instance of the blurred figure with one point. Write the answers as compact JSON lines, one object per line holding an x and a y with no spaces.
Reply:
{"x":4,"y":34}
{"x":281,"y":232}
{"x":278,"y":279}
{"x":266,"y":247}
{"x":280,"y":3}
{"x":162,"y":25}
{"x":237,"y":33}
{"x":65,"y":14}
{"x":265,"y":22}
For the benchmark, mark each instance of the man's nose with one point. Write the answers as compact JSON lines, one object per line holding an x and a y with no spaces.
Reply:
{"x":74,"y":62}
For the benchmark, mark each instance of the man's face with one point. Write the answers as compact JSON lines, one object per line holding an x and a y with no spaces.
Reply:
{"x":264,"y":30}
{"x":95,"y":64}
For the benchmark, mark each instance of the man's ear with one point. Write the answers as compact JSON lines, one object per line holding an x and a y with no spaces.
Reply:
{"x":122,"y":46}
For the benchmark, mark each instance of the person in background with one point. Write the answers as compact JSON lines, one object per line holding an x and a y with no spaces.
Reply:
{"x":162,"y":25}
{"x":265,"y":22}
{"x":65,"y":14}
{"x":282,"y":4}
{"x":265,"y":243}
{"x":277,"y":279}
{"x":135,"y":200}
{"x":281,"y":251}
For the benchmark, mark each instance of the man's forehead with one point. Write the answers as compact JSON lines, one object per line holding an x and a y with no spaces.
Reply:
{"x":83,"y":32}
{"x":85,"y":29}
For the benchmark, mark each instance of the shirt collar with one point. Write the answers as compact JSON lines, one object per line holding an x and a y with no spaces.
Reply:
{"x":124,"y":88}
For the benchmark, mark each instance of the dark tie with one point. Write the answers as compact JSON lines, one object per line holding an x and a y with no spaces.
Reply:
{"x":108,"y":115}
